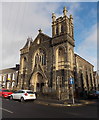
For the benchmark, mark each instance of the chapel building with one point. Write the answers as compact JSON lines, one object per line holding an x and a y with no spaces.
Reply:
{"x":48,"y":63}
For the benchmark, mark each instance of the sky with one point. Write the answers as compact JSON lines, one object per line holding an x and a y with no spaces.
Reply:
{"x":21,"y":20}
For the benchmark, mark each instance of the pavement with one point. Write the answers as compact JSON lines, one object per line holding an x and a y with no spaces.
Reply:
{"x":61,"y":103}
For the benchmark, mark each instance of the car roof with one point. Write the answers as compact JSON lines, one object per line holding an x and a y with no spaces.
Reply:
{"x":4,"y":89}
{"x":25,"y":90}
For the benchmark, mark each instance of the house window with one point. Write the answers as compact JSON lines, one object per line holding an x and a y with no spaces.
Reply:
{"x":13,"y":84}
{"x":13,"y":76}
{"x":0,"y":78}
{"x":9,"y":77}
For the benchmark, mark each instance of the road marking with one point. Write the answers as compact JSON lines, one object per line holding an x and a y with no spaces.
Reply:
{"x":6,"y":110}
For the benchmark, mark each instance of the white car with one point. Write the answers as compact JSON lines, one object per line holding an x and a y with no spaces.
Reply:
{"x":23,"y":95}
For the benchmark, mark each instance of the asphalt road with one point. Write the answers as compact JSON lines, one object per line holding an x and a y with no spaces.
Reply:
{"x":16,"y":109}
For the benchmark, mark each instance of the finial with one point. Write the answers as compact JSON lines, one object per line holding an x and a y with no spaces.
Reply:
{"x":40,"y":31}
{"x":65,"y":11}
{"x":53,"y":17}
{"x":71,"y":18}
{"x":64,"y":8}
{"x":28,"y":38}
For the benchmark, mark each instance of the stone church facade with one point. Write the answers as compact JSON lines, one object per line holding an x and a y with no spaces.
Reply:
{"x":48,"y":63}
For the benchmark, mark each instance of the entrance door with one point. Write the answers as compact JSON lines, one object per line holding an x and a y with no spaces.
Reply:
{"x":38,"y":82}
{"x":41,"y":87}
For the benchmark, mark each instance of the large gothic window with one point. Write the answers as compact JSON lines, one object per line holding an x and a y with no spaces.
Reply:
{"x":40,"y":57}
{"x":60,"y":54}
{"x":71,"y":58}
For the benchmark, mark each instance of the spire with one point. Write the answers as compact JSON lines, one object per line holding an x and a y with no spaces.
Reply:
{"x":53,"y":17}
{"x":64,"y":11}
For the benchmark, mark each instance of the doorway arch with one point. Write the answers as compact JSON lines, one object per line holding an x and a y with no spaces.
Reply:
{"x":37,"y":82}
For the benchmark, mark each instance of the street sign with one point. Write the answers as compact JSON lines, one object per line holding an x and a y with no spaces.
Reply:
{"x":71,"y":81}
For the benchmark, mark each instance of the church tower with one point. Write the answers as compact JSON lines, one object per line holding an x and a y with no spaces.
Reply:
{"x":62,"y":25}
{"x":63,"y":50}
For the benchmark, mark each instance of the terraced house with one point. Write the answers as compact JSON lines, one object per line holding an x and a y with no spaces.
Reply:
{"x":9,"y":77}
{"x":47,"y":63}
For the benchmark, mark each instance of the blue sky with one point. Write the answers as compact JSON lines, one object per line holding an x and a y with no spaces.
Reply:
{"x":20,"y":20}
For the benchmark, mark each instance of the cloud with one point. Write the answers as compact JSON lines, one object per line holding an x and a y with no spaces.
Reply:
{"x":88,"y":47}
{"x":0,"y":35}
{"x":21,"y":20}
{"x":50,"y":0}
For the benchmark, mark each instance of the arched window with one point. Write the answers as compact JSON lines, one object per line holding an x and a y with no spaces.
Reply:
{"x":91,"y":81}
{"x":56,"y":30}
{"x":87,"y":82}
{"x":71,"y":58}
{"x":23,"y":63}
{"x":40,"y":57}
{"x":62,"y":29}
{"x":60,"y":52}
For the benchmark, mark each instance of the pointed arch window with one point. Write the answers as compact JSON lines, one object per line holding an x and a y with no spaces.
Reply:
{"x":60,"y":58}
{"x":62,"y":29}
{"x":56,"y":30}
{"x":23,"y":64}
{"x":40,"y":57}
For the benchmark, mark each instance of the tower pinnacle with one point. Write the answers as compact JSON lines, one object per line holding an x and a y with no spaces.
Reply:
{"x":53,"y":17}
{"x":64,"y":11}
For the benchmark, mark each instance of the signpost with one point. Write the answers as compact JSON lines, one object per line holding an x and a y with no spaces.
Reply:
{"x":71,"y":82}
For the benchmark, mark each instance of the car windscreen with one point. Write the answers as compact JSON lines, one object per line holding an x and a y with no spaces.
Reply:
{"x":5,"y":90}
{"x":97,"y":92}
{"x":91,"y":92}
{"x":19,"y":91}
{"x":30,"y":92}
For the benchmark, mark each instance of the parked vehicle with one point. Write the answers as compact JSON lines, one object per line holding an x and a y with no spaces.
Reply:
{"x":5,"y":93}
{"x":93,"y":94}
{"x":23,"y":95}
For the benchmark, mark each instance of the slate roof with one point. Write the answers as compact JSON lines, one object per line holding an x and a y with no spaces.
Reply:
{"x":83,"y":59}
{"x":9,"y":70}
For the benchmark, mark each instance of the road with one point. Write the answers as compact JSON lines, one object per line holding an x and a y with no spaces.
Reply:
{"x":29,"y":109}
